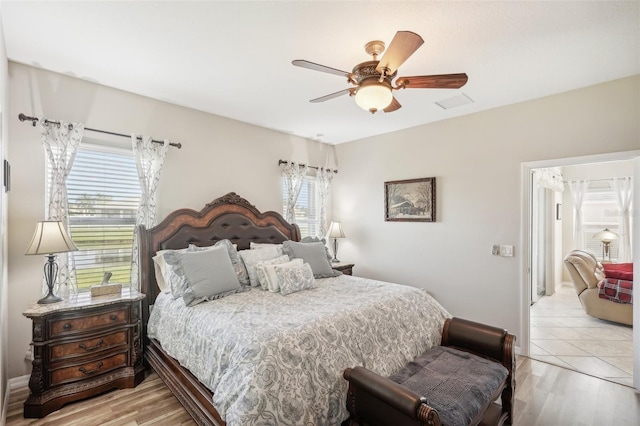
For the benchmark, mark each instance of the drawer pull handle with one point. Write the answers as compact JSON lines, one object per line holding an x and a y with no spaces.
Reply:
{"x":67,"y":326}
{"x":113,"y":317}
{"x":91,"y":348}
{"x":89,"y":372}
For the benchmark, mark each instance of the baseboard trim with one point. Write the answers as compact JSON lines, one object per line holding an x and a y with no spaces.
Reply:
{"x":17,"y":382}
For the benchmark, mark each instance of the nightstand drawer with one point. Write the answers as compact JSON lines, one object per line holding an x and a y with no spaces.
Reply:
{"x":86,"y":346}
{"x":88,"y":369}
{"x":90,"y":322}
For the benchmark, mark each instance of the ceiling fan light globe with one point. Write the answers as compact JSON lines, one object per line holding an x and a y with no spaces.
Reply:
{"x":373,"y":97}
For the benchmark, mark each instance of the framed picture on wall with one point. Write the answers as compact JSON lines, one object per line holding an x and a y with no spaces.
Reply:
{"x":412,"y":200}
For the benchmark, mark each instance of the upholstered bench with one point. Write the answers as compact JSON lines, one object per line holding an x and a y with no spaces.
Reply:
{"x":455,"y":384}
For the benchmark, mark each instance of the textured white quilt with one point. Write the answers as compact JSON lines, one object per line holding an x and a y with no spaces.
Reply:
{"x":278,"y":360}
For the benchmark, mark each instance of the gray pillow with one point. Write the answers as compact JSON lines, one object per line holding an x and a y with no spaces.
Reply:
{"x":312,"y":253}
{"x":238,"y":264}
{"x":316,"y":240}
{"x":207,"y":274}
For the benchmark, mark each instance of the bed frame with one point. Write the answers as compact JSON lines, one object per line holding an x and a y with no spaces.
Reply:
{"x":228,"y":217}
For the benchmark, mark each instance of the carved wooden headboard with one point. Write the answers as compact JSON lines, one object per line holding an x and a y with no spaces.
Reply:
{"x":228,"y":217}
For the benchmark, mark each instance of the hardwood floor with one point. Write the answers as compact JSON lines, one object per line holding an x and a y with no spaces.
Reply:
{"x":546,"y":395}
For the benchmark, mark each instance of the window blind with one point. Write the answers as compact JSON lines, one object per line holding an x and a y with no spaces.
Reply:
{"x":307,"y":207}
{"x":104,"y":194}
{"x":600,"y":211}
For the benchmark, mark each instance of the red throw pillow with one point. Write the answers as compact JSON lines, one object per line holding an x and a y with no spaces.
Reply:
{"x":620,"y":271}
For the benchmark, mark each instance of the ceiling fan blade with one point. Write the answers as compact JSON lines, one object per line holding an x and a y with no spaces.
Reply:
{"x":393,"y":106}
{"x":402,"y":46}
{"x":442,"y":81}
{"x":317,"y":67}
{"x":331,"y":96}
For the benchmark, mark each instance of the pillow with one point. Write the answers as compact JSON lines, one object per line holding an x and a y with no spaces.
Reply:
{"x":252,"y":257}
{"x":260,"y":268}
{"x":270,"y":274}
{"x":238,"y":265}
{"x":255,"y":246}
{"x":620,"y":271}
{"x":164,"y":275}
{"x":205,"y":274}
{"x":314,"y":255}
{"x":318,"y":240}
{"x":296,"y":278}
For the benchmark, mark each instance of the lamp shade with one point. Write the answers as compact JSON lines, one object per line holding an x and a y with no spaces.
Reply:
{"x":50,"y":237}
{"x":335,"y":230}
{"x":373,"y":97}
{"x":606,"y":236}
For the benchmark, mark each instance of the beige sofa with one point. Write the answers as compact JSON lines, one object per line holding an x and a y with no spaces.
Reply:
{"x":586,"y":272}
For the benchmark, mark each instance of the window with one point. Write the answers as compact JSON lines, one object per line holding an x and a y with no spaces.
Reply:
{"x":307,"y":207}
{"x":600,"y":211}
{"x":104,"y":195}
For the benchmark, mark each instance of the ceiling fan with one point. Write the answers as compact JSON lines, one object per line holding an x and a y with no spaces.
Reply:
{"x":373,"y":80}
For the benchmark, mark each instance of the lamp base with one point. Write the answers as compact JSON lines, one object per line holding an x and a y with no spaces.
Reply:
{"x":334,"y":260}
{"x":49,"y":298}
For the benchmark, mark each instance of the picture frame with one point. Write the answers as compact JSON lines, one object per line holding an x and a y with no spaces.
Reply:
{"x":412,"y":200}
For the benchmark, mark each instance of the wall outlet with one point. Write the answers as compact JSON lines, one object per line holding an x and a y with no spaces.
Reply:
{"x":506,"y":251}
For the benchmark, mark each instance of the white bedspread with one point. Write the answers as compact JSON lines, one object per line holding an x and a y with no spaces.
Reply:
{"x":278,"y":360}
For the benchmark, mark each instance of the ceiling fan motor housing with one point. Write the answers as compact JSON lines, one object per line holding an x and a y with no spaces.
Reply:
{"x":377,"y":86}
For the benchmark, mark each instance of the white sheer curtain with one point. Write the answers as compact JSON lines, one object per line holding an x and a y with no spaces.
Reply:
{"x":61,"y":142}
{"x":578,"y":188}
{"x":623,"y":190}
{"x":149,"y":161}
{"x":293,"y":174}
{"x":325,"y":176}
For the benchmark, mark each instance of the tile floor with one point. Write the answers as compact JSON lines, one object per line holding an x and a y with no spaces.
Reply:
{"x":562,"y":334}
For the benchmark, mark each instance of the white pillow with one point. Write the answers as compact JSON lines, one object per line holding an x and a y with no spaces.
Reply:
{"x":297,"y":278}
{"x":164,"y":274}
{"x":257,"y":246}
{"x":270,"y":277}
{"x":260,"y":271}
{"x":252,"y":257}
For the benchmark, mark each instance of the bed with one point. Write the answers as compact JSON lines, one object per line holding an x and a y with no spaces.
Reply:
{"x":273,"y":359}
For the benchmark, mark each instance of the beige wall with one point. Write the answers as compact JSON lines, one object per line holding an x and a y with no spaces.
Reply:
{"x":477,"y":161}
{"x":218,"y":156}
{"x":4,"y":322}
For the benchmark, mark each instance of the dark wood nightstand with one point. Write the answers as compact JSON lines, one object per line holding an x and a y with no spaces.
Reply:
{"x":345,"y":268}
{"x":83,"y":347}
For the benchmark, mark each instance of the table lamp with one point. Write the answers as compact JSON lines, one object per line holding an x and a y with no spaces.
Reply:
{"x":606,"y":237}
{"x":49,"y":238}
{"x":335,"y":232}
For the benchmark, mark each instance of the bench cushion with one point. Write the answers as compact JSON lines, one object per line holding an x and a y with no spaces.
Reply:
{"x":459,"y":385}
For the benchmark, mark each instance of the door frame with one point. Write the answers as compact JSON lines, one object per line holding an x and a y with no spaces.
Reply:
{"x":526,"y":241}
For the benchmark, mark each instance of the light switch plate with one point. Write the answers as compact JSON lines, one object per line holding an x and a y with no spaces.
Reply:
{"x":495,"y":250}
{"x":506,"y":251}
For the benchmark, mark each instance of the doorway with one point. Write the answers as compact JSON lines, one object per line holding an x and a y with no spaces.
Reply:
{"x":543,"y":281}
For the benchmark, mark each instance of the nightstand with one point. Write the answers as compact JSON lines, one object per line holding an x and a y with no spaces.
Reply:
{"x":345,"y":268}
{"x":83,"y":347}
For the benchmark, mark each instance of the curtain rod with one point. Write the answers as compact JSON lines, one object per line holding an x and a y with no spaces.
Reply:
{"x":597,"y":180}
{"x":33,"y":120}
{"x":281,"y":162}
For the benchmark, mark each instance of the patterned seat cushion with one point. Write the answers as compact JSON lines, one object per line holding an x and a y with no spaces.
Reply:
{"x":459,"y":385}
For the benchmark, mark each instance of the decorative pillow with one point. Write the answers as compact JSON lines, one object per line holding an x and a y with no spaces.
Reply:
{"x":164,"y":275}
{"x":205,"y":275}
{"x":296,"y":278}
{"x":318,"y":240}
{"x":312,"y":253}
{"x":256,"y":246}
{"x":270,"y":274}
{"x":238,"y":265}
{"x":620,"y":271}
{"x":252,"y":257}
{"x":261,"y":272}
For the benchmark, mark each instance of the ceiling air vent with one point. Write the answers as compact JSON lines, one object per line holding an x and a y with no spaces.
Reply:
{"x":456,"y":101}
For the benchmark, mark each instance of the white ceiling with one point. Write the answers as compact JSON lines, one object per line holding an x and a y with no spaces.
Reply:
{"x":234,"y":58}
